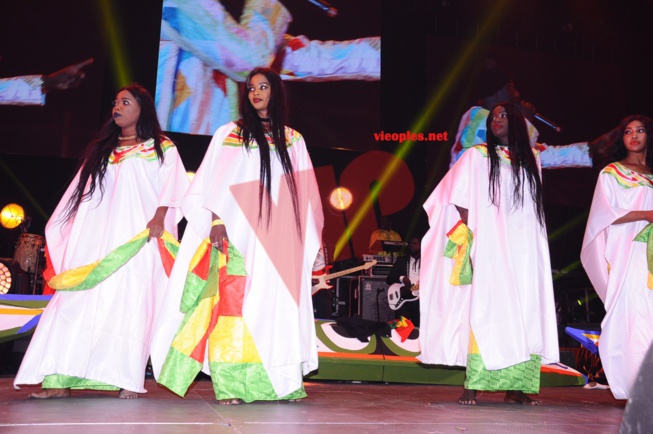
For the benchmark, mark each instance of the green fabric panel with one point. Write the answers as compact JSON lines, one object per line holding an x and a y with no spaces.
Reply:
{"x":178,"y":372}
{"x":450,"y":249}
{"x":192,"y":291}
{"x":645,"y":236}
{"x":522,"y":376}
{"x":172,"y":248}
{"x":466,"y":273}
{"x":213,"y":280}
{"x":67,"y":382}
{"x":467,"y":270}
{"x":247,"y":381}
{"x":110,"y":264}
{"x":236,"y":263}
{"x":649,"y":250}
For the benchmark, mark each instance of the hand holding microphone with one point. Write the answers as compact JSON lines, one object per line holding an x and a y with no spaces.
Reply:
{"x":530,"y":111}
{"x":325,"y":7}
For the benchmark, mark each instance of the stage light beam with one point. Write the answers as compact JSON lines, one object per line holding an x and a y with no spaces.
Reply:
{"x":122,"y":70}
{"x":443,"y":90}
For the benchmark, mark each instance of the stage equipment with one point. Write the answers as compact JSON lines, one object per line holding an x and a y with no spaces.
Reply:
{"x":29,"y":248}
{"x":381,"y":270}
{"x":340,"y":198}
{"x":393,"y":246}
{"x":6,"y":278}
{"x":373,"y":299}
{"x":378,"y":258}
{"x":12,"y":216}
{"x":13,"y":280}
{"x":322,"y":279}
{"x":325,"y":7}
{"x":547,"y":122}
{"x":338,"y":302}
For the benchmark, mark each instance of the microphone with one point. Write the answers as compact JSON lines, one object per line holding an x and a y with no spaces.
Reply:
{"x":325,"y":7}
{"x":547,"y":122}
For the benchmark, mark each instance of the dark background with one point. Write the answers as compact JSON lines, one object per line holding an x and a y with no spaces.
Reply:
{"x":585,"y":64}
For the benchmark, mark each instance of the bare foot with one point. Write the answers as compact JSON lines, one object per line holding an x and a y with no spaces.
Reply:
{"x":232,"y":401}
{"x":127,"y":394}
{"x":468,"y":397}
{"x":519,"y":397}
{"x":50,"y":393}
{"x":290,"y":401}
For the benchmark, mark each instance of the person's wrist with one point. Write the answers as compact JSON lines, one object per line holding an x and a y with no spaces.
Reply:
{"x":44,"y":84}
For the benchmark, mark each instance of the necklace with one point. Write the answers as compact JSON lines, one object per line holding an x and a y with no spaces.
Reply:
{"x":265,"y":119}
{"x":121,"y":138}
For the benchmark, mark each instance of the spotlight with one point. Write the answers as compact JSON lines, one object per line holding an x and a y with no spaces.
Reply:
{"x":6,"y":278}
{"x":341,"y":198}
{"x":12,"y":216}
{"x":12,"y":278}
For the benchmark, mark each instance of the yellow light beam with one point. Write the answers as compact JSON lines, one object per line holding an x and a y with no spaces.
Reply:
{"x":434,"y":105}
{"x":582,"y":218}
{"x":568,"y":269}
{"x":122,"y":71}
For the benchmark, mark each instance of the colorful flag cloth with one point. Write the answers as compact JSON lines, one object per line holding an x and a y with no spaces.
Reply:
{"x":645,"y":236}
{"x":89,"y":276}
{"x":458,"y":248}
{"x":403,"y":327}
{"x":212,"y":302}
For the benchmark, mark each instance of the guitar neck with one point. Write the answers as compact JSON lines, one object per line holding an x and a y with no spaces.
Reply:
{"x":344,"y":272}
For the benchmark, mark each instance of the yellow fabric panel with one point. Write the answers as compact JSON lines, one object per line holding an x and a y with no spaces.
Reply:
{"x":193,"y":330}
{"x":231,"y":342}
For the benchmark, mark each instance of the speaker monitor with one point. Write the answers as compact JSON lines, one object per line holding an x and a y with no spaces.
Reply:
{"x":373,"y":299}
{"x":338,"y":301}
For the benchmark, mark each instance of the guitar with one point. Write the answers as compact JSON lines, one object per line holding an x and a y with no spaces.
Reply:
{"x":395,"y":300}
{"x":322,"y":280}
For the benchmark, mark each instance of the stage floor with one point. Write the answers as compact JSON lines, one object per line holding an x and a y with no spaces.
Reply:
{"x":330,"y":408}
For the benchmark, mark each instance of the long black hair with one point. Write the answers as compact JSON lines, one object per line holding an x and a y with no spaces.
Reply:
{"x":94,"y":164}
{"x":619,"y":151}
{"x":522,"y":160}
{"x":253,"y":129}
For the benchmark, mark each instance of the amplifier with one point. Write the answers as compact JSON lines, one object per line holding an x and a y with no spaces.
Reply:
{"x":373,"y":299}
{"x":378,"y":258}
{"x":338,"y":301}
{"x":379,"y":270}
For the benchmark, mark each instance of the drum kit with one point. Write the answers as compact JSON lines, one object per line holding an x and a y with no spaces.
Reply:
{"x":24,"y":271}
{"x":29,"y":252}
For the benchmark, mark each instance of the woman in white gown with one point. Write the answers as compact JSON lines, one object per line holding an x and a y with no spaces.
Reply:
{"x":255,"y":197}
{"x":614,"y":253}
{"x":499,"y":318}
{"x":99,"y":338}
